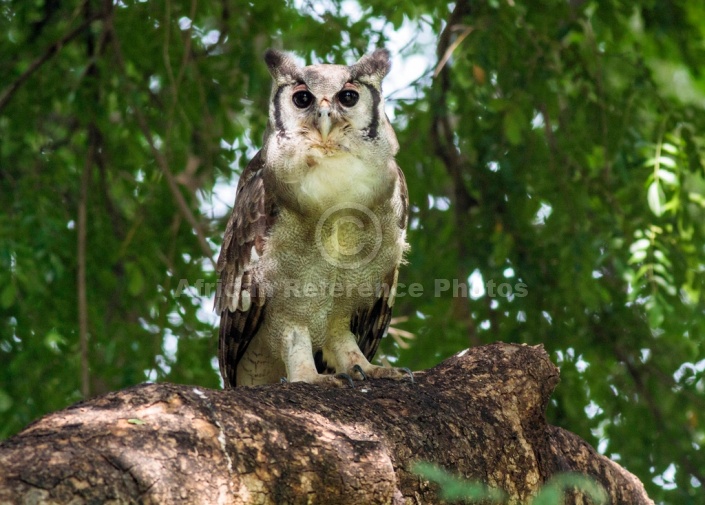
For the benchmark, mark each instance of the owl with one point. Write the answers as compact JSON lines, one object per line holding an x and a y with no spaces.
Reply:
{"x":309,"y":262}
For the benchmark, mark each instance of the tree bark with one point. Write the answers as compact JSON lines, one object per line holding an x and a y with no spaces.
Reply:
{"x":479,"y":414}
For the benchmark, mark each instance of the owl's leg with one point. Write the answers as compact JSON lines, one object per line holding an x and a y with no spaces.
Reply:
{"x":350,"y":360}
{"x":297,"y":354}
{"x":258,"y":365}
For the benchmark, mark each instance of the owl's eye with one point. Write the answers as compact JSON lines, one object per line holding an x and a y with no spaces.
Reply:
{"x":302,"y":99}
{"x":348,"y":97}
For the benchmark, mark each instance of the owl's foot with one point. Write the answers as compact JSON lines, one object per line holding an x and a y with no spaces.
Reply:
{"x":381,"y":372}
{"x":339,"y":380}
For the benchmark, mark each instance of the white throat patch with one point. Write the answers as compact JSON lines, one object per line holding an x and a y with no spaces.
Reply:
{"x":339,"y":178}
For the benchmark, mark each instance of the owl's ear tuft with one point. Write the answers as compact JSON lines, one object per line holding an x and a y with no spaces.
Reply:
{"x":374,"y":66}
{"x":282,"y":66}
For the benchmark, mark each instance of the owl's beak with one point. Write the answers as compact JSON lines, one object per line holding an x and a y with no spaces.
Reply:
{"x":324,"y":122}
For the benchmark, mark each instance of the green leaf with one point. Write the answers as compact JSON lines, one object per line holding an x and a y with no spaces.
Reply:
{"x":638,"y":256}
{"x":135,"y":279}
{"x":5,"y":401}
{"x":640,"y":245}
{"x":662,"y":258}
{"x":54,"y":339}
{"x":656,"y":198}
{"x":514,"y":125}
{"x":697,"y":198}
{"x":655,"y":314}
{"x":667,"y":177}
{"x":7,"y":297}
{"x":669,"y":148}
{"x":661,"y":161}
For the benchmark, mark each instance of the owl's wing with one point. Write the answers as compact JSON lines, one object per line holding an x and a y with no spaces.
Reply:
{"x":240,"y":301}
{"x":370,"y":325}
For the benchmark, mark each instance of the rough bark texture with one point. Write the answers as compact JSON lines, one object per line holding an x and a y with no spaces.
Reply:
{"x":479,"y":414}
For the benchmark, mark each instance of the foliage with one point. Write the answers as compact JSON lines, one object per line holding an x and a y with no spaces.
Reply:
{"x":555,"y":160}
{"x":454,"y":488}
{"x":551,"y":493}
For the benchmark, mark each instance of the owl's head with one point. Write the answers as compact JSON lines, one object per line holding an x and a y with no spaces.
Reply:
{"x":332,"y":106}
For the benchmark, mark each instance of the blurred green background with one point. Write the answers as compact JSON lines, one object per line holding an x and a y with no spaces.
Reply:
{"x":553,"y":151}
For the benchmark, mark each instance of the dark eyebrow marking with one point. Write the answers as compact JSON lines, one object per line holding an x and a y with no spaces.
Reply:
{"x":374,"y":123}
{"x":277,"y":110}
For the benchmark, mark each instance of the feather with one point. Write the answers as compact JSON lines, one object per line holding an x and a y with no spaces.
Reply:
{"x":251,"y":218}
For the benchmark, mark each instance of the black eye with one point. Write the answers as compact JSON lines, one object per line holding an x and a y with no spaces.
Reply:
{"x":348,"y":97}
{"x":302,"y":99}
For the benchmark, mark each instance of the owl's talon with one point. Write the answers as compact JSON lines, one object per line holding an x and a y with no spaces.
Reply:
{"x":345,"y":376}
{"x":358,"y":369}
{"x":411,"y":374}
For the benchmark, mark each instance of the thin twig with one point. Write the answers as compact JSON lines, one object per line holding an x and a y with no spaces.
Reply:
{"x":81,"y":275}
{"x":53,"y":49}
{"x":449,"y":51}
{"x":187,"y":53}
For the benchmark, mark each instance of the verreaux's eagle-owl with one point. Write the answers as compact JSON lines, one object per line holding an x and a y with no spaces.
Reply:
{"x":309,"y":262}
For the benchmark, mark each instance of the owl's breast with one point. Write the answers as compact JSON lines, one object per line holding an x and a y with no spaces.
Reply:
{"x":322,"y":270}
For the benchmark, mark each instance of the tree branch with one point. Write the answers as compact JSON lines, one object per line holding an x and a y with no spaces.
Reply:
{"x":456,"y":164}
{"x":479,"y":414}
{"x":52,"y":50}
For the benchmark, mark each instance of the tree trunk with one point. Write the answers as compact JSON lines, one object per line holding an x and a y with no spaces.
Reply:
{"x":479,"y":414}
